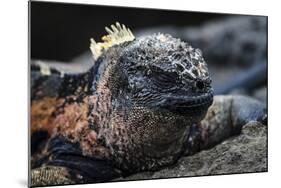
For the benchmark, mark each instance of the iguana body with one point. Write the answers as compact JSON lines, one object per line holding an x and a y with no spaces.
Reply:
{"x":140,"y":107}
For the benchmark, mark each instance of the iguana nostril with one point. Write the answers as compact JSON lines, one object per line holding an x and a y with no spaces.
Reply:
{"x":200,"y":84}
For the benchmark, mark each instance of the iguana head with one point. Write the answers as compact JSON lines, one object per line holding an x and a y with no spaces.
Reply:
{"x":159,"y":86}
{"x":166,"y":74}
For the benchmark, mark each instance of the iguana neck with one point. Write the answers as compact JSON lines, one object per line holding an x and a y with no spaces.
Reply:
{"x":99,"y":118}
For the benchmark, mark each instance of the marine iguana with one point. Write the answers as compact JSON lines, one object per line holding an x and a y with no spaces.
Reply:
{"x":144,"y":103}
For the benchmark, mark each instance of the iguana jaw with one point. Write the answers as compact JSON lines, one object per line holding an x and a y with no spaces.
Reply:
{"x":188,"y":105}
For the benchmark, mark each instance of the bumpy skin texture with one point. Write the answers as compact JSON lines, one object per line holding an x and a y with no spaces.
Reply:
{"x":138,"y":108}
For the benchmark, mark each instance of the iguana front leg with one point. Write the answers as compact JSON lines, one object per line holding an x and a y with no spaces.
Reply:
{"x":225,"y":118}
{"x":63,"y":162}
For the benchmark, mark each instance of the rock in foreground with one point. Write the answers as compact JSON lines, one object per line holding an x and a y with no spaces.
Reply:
{"x":244,"y":153}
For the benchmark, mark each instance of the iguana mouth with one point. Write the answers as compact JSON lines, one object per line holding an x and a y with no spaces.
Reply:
{"x":189,"y":104}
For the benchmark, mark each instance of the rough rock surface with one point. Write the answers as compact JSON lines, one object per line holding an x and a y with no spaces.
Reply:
{"x":244,"y":153}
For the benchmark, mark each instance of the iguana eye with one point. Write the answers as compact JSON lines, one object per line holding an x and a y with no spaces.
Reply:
{"x":162,"y":82}
{"x":163,"y":78}
{"x":166,"y":77}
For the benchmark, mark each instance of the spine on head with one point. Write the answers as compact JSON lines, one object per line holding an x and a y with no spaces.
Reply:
{"x":118,"y":34}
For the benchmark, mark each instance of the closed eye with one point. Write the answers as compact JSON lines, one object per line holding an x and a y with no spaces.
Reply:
{"x":164,"y":79}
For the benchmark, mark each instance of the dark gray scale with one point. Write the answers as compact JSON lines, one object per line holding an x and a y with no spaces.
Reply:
{"x":56,"y":83}
{"x":44,"y":85}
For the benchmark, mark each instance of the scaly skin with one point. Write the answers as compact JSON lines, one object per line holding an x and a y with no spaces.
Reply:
{"x":138,"y":108}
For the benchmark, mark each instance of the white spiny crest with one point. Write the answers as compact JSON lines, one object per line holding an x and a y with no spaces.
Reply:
{"x":116,"y":35}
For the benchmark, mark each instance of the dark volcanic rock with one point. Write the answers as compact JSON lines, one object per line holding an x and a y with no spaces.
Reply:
{"x":244,"y":153}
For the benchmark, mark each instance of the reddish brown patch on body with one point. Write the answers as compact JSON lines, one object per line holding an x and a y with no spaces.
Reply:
{"x":73,"y":122}
{"x":85,"y":122}
{"x":42,"y":114}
